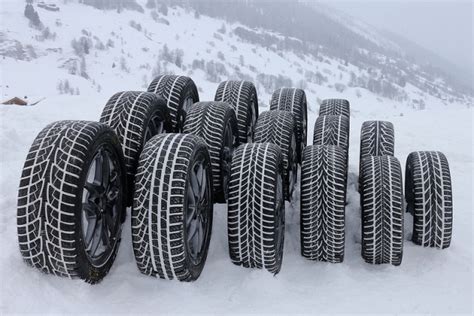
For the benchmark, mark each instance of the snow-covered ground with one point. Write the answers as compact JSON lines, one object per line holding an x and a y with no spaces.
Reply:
{"x":428,"y":281}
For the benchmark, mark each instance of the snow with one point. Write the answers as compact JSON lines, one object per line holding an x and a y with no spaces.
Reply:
{"x":428,"y":281}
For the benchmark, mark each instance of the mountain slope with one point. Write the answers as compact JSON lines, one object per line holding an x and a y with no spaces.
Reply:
{"x":118,"y":49}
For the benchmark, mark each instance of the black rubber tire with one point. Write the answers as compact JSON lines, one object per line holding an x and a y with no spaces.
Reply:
{"x":132,"y":115}
{"x":335,"y":107}
{"x":161,"y":207}
{"x":210,"y":121}
{"x":242,"y":96}
{"x":179,"y":93}
{"x":429,"y":198}
{"x":256,"y":209}
{"x":50,"y":200}
{"x":382,"y":215}
{"x":377,"y":138}
{"x":332,"y":130}
{"x":293,"y":100}
{"x":278,"y":127}
{"x":323,"y":199}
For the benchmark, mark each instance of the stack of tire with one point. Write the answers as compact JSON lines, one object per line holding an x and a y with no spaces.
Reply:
{"x":427,"y":193}
{"x":170,"y":158}
{"x":263,"y":175}
{"x":323,"y":184}
{"x":380,"y":187}
{"x":80,"y":176}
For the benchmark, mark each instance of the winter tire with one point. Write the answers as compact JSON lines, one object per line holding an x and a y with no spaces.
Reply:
{"x":172,"y":207}
{"x":293,"y":100}
{"x":332,"y":130}
{"x":256,"y":210}
{"x":429,"y":198}
{"x":71,"y":200}
{"x":376,"y":139}
{"x":179,"y":93}
{"x":323,"y":197}
{"x":135,"y":117}
{"x":335,"y":107}
{"x":242,"y":96}
{"x":382,"y":216}
{"x":215,"y":122}
{"x":278,"y":127}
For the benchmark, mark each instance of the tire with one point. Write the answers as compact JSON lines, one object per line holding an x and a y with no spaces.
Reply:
{"x":179,"y":93}
{"x":168,"y":165}
{"x":63,"y":199}
{"x":382,"y":216}
{"x":323,"y":199}
{"x":135,"y":117}
{"x":332,"y":130}
{"x":215,"y":122}
{"x":256,"y":209}
{"x":293,"y":100}
{"x":242,"y":96}
{"x":429,"y":198}
{"x":335,"y":107}
{"x":376,"y":139}
{"x":278,"y":127}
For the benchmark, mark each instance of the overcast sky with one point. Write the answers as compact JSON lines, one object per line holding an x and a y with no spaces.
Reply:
{"x":443,"y":26}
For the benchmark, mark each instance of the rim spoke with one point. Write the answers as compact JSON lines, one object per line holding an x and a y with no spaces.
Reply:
{"x":200,"y":235}
{"x":192,"y":231}
{"x":191,"y":197}
{"x":92,"y":188}
{"x":105,"y":177}
{"x":98,"y":168}
{"x":91,"y":227}
{"x":199,"y":174}
{"x":191,"y":216}
{"x":109,"y":221}
{"x":158,"y":127}
{"x":203,"y":186}
{"x":194,"y":186}
{"x":148,"y":135}
{"x":91,"y":209}
{"x":95,"y":239}
{"x":106,"y":230}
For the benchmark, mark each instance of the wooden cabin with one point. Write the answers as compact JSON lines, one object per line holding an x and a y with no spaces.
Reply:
{"x":16,"y":101}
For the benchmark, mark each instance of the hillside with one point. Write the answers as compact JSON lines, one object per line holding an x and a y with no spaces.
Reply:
{"x":124,"y":44}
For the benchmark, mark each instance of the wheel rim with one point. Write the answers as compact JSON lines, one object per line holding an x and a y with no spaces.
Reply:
{"x":100,"y":206}
{"x":251,"y":123}
{"x":279,"y":216}
{"x":292,"y":166}
{"x":154,"y":127}
{"x":227,"y":152}
{"x":303,"y":132}
{"x":197,"y":211}
{"x":188,"y":102}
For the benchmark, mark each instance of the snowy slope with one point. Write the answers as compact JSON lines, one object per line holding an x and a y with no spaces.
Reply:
{"x":124,"y":50}
{"x":428,"y":281}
